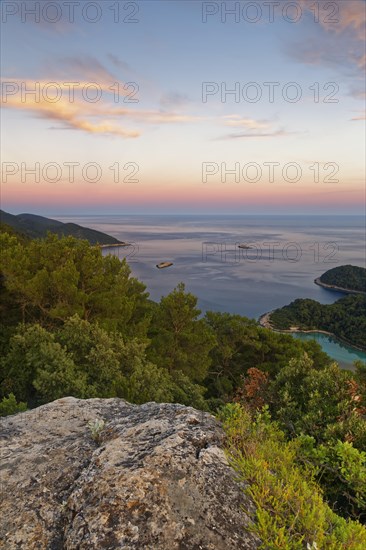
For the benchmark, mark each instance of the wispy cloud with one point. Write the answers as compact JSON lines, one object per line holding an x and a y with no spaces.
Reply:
{"x":258,"y":135}
{"x":236,"y":121}
{"x":361,"y":61}
{"x":49,"y":23}
{"x":251,"y":128}
{"x":76,"y":115}
{"x":119,"y":63}
{"x":343,"y":43}
{"x":174,"y":100}
{"x":358,"y":91}
{"x":87,"y":69}
{"x":349,"y":15}
{"x":102,"y":117}
{"x":69,"y":87}
{"x":361,"y":116}
{"x":71,"y":76}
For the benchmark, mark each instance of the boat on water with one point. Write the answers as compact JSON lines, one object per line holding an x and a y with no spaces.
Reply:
{"x":163,"y":265}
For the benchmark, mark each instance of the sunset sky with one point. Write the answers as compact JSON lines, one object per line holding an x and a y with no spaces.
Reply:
{"x":140,"y":105}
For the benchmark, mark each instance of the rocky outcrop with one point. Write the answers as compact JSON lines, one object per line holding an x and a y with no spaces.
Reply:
{"x":155,"y":477}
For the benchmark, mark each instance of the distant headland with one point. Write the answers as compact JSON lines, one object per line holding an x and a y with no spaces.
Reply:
{"x":32,"y":226}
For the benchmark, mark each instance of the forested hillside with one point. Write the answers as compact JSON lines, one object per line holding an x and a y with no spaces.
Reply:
{"x":350,"y":277}
{"x":346,"y":318}
{"x":33,"y":227}
{"x":76,"y":323}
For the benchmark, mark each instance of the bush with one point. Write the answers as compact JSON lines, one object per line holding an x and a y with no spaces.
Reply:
{"x":9,"y":405}
{"x":291,"y":512}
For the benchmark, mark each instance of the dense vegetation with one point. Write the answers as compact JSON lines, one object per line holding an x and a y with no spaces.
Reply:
{"x":33,"y":227}
{"x":322,"y":410}
{"x":290,"y":509}
{"x":76,"y":323}
{"x":350,"y":277}
{"x":346,"y":318}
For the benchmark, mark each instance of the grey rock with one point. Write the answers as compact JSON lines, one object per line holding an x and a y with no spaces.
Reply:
{"x":156,"y":479}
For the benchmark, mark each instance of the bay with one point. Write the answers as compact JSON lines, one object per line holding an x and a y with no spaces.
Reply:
{"x":285,"y":255}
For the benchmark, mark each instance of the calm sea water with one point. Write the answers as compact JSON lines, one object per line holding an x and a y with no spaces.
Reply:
{"x":343,"y":354}
{"x":287,"y":253}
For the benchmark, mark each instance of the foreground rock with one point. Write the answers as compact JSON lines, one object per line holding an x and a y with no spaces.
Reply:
{"x":157,"y":478}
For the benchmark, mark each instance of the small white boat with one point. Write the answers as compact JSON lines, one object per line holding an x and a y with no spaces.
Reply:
{"x":162,"y":265}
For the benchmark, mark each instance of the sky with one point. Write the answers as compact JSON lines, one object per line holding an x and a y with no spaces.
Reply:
{"x":188,"y":107}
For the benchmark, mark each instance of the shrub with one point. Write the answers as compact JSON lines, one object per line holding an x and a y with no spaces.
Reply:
{"x":96,"y":428}
{"x":9,"y":405}
{"x":291,"y":513}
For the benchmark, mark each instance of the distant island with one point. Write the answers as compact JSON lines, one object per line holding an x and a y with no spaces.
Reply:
{"x":345,"y":319}
{"x":34,"y":227}
{"x":345,"y":278}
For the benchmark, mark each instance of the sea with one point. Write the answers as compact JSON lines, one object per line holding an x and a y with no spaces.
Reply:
{"x":239,"y":264}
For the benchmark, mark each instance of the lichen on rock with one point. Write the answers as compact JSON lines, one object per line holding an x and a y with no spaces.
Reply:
{"x":157,"y":478}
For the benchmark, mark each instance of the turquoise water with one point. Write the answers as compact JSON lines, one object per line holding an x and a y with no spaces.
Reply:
{"x":343,"y":354}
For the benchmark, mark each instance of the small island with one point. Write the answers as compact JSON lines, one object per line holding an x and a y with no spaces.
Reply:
{"x":349,"y":279}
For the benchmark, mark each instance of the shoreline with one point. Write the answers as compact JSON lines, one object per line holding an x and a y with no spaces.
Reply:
{"x":318,"y":282}
{"x":265,"y":322}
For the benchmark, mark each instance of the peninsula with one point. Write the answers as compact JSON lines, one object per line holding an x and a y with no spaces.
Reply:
{"x":345,"y":319}
{"x":32,"y":226}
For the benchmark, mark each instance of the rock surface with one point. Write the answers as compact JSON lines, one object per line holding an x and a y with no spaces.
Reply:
{"x":156,"y":479}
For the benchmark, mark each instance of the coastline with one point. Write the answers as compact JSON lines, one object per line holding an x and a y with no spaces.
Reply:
{"x":265,"y":322}
{"x":318,"y":282}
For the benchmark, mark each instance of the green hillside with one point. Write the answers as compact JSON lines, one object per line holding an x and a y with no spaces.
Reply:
{"x":350,"y":277}
{"x":74,"y":322}
{"x":35,"y":227}
{"x":346,"y":318}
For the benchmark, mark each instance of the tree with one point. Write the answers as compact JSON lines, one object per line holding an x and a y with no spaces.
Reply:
{"x":254,"y":391}
{"x":187,"y":392}
{"x":55,"y":278}
{"x":38,"y":369}
{"x":241,"y":344}
{"x":237,"y":344}
{"x":105,"y":360}
{"x":179,"y":339}
{"x":307,"y":400}
{"x":149,"y":383}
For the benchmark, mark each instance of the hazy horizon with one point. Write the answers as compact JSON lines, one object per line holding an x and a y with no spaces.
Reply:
{"x":50,"y":213}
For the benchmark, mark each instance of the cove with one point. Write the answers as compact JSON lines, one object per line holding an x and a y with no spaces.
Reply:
{"x":344,"y":354}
